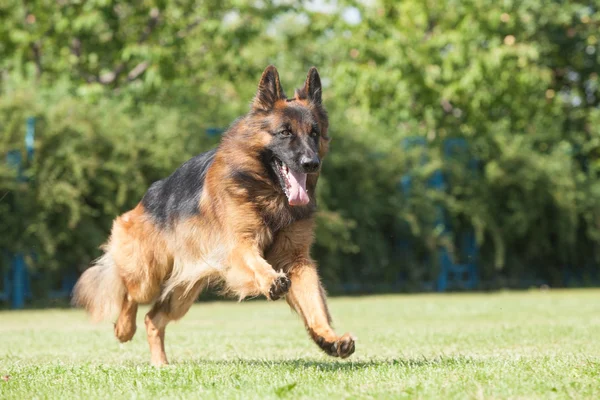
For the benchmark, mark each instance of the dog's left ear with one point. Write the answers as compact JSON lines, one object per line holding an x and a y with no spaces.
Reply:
{"x":312,"y":87}
{"x":269,"y":90}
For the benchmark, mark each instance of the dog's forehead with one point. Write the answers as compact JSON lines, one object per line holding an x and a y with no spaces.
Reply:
{"x":297,"y":113}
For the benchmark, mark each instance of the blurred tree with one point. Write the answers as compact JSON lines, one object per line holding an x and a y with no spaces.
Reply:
{"x":124,"y":93}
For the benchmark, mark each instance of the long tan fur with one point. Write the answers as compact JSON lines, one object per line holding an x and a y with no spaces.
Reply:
{"x":100,"y":289}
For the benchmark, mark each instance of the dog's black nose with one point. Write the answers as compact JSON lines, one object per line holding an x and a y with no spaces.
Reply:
{"x":310,"y":164}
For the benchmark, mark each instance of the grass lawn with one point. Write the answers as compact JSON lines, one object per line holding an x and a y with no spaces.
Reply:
{"x":503,"y":345}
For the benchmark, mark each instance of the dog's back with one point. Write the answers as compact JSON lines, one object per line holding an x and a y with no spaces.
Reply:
{"x":178,"y":196}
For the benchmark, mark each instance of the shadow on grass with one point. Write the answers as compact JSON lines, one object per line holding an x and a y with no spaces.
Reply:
{"x":12,"y":363}
{"x":338,"y":365}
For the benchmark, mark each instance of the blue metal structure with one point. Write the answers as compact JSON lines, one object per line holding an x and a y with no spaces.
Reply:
{"x":451,"y":273}
{"x":464,"y":274}
{"x":213,"y":131}
{"x":16,"y":279}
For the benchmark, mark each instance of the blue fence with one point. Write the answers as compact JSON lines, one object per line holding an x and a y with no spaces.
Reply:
{"x":16,"y":279}
{"x":451,"y":273}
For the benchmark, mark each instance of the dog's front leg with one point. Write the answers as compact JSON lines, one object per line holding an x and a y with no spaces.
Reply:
{"x":307,"y":297}
{"x":249,"y":274}
{"x":291,"y":253}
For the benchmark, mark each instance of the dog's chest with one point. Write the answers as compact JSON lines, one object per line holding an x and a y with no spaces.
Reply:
{"x":282,"y":216}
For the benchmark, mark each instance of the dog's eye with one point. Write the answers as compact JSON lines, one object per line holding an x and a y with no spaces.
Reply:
{"x":285,"y":132}
{"x":314,"y":133}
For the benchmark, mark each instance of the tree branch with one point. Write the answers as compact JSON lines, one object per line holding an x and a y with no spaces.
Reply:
{"x":76,"y":47}
{"x":37,"y":57}
{"x":189,"y":27}
{"x":137,"y":71}
{"x":152,"y":22}
{"x":112,"y":76}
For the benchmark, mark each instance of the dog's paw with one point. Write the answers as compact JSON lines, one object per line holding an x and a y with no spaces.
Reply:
{"x":279,"y":287}
{"x":124,"y":331}
{"x":342,"y":347}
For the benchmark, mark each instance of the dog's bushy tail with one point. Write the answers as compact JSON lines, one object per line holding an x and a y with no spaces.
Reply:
{"x":100,"y":289}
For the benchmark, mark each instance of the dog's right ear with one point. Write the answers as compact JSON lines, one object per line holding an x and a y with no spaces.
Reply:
{"x":269,"y":90}
{"x":312,"y":88}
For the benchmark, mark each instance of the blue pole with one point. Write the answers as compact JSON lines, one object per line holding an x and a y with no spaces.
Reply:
{"x":19,"y":269}
{"x":30,"y":137}
{"x":19,"y":278}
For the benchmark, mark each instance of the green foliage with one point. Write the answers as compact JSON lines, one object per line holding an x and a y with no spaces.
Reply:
{"x":123,"y":94}
{"x":92,"y":161}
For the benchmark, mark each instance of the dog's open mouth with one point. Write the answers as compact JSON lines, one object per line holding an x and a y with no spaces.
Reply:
{"x":293,"y":183}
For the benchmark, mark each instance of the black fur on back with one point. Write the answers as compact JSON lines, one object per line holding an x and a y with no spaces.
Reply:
{"x":178,"y":195}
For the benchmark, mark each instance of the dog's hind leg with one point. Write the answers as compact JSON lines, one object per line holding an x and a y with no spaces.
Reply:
{"x":156,"y":321}
{"x":125,"y":326}
{"x":173,"y":307}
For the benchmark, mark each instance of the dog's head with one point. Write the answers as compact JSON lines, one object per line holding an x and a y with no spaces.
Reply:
{"x":294,"y":130}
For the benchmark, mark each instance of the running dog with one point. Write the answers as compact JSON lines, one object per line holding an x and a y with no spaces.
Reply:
{"x":240,"y":216}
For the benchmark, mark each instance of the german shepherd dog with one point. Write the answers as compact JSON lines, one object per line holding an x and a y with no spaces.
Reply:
{"x":241,"y":216}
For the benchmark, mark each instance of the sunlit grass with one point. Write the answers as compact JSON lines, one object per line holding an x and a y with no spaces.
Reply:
{"x":503,"y":345}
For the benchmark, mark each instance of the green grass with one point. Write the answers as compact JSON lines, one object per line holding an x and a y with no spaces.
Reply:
{"x":503,"y":345}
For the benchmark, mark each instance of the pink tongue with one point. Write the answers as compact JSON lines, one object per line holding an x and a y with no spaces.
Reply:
{"x":297,"y":195}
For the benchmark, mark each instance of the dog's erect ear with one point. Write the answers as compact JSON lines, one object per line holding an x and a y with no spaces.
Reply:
{"x":312,"y":87}
{"x":269,"y":90}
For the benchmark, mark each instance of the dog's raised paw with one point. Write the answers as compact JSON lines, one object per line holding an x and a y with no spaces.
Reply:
{"x":342,"y":347}
{"x":124,"y":332}
{"x":280,"y":287}
{"x":346,"y":345}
